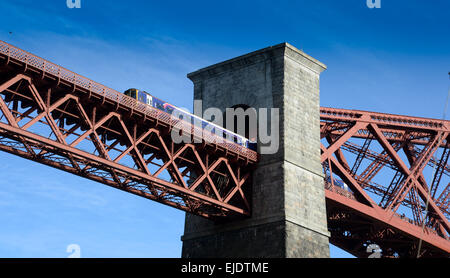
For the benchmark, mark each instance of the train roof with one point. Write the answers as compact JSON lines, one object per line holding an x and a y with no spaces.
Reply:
{"x":193,"y":115}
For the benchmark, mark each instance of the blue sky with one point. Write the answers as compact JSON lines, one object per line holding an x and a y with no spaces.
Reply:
{"x":393,"y":60}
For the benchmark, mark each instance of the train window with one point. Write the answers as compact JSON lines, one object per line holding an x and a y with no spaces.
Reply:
{"x":169,"y":109}
{"x":142,"y":96}
{"x":128,"y":92}
{"x":133,"y":94}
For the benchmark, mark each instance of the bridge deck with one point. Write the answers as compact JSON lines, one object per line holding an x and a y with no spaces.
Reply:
{"x":31,"y":61}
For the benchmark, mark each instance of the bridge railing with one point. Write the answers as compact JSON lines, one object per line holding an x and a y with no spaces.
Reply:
{"x":384,"y":119}
{"x":61,"y":73}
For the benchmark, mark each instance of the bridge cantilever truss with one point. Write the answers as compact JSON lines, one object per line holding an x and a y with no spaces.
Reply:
{"x":390,"y":198}
{"x":375,"y":164}
{"x":59,"y":118}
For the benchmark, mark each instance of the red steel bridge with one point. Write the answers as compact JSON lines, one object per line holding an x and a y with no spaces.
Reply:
{"x":386,"y":175}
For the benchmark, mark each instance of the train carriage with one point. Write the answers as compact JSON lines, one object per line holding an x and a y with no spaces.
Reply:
{"x":146,"y":98}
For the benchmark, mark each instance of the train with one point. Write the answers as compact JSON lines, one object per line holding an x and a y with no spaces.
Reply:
{"x":146,"y":98}
{"x":338,"y":182}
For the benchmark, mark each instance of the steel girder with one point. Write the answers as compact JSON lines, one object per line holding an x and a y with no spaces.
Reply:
{"x":385,"y":162}
{"x":107,"y":137}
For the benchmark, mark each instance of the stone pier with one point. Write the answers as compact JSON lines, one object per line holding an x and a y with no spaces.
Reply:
{"x":288,"y":200}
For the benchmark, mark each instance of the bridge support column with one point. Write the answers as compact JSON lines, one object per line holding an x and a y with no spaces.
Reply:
{"x":288,"y":200}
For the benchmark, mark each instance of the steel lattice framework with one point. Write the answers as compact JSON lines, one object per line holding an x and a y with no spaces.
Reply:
{"x":377,"y":185}
{"x":53,"y":116}
{"x":377,"y":166}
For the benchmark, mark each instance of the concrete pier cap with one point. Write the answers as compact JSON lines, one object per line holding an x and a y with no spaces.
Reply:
{"x":288,"y":200}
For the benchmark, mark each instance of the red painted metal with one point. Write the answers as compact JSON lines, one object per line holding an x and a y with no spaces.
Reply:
{"x":393,"y":150}
{"x":53,"y":116}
